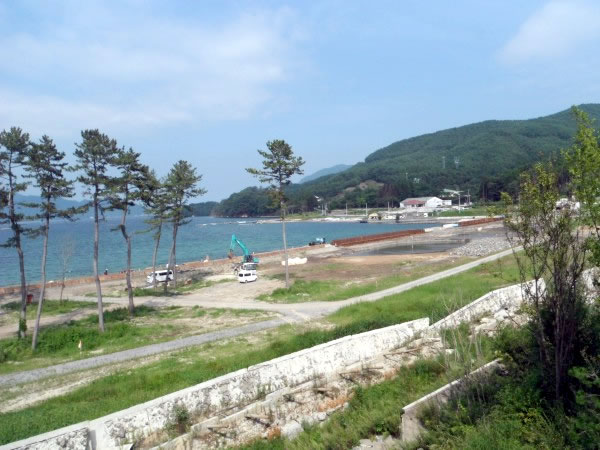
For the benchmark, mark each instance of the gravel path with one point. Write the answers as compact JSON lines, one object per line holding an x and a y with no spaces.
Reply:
{"x":89,"y":363}
{"x":296,"y":312}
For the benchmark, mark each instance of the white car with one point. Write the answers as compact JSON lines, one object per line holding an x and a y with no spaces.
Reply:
{"x":245,"y":276}
{"x":161,"y":276}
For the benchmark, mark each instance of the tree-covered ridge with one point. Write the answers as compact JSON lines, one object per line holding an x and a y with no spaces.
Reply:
{"x":484,"y":158}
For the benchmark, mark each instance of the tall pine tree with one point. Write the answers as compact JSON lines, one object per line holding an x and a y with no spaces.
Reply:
{"x":14,"y":147}
{"x":96,"y":155}
{"x":45,"y":164}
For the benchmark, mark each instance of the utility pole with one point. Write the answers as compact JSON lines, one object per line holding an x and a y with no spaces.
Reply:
{"x":443,"y":162}
{"x":346,"y":208}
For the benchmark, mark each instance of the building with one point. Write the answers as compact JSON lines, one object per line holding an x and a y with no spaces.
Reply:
{"x":424,"y":202}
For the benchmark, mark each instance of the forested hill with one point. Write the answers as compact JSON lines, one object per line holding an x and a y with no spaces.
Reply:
{"x":484,"y":157}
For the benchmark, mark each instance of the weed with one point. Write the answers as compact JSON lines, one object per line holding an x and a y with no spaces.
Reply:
{"x":179,"y":422}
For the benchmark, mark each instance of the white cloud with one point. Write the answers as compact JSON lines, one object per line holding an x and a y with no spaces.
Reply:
{"x":122,"y":66}
{"x":553,"y":31}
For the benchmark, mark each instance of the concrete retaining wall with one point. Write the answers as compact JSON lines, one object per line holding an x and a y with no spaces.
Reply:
{"x":508,"y":298}
{"x":237,"y":388}
{"x":411,"y":427}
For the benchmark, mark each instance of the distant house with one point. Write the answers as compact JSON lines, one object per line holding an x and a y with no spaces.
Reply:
{"x":424,"y":202}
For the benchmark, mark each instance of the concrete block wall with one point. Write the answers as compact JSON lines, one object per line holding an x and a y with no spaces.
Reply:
{"x":234,"y":389}
{"x":411,"y":427}
{"x":508,"y":298}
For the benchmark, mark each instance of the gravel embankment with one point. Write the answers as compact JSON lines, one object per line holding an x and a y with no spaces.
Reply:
{"x":482,"y":247}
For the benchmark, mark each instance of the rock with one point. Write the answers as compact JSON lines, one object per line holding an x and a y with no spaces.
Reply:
{"x":321,"y":416}
{"x":291,"y":429}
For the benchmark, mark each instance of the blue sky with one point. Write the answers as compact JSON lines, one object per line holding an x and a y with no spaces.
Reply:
{"x":212,"y":81}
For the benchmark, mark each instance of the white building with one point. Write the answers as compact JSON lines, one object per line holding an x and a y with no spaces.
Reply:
{"x":424,"y":202}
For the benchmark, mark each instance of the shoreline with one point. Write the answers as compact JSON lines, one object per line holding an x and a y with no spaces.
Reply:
{"x":219,"y":264}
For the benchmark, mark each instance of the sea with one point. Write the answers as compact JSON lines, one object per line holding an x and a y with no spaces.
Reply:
{"x":70,"y":244}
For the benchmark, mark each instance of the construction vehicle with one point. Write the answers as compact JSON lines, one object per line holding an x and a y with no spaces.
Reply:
{"x":249,"y":262}
{"x":318,"y":241}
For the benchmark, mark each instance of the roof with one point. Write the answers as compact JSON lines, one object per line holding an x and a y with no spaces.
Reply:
{"x":414,"y":200}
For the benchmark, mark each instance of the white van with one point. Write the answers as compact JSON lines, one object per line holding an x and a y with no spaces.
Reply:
{"x":245,"y":276}
{"x":161,"y":276}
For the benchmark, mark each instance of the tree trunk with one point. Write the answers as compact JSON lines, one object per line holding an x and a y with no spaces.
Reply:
{"x":128,"y":278}
{"x":17,"y":235}
{"x":172,"y":257}
{"x":62,"y":288}
{"x":23,"y":315}
{"x":285,"y":253}
{"x":96,"y":277}
{"x":43,"y":286}
{"x":157,"y":242}
{"x":131,"y":306}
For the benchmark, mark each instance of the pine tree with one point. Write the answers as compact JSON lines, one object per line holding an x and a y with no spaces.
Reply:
{"x":279,"y":165}
{"x":127,"y":190}
{"x":45,"y":164}
{"x":96,"y":154}
{"x":156,"y":208}
{"x":16,"y":147}
{"x":180,"y":186}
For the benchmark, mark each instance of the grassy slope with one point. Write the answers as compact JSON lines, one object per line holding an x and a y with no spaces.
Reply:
{"x":122,"y":390}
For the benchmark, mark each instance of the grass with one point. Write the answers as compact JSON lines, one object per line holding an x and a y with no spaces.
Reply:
{"x":124,"y":389}
{"x":434,"y":300}
{"x":60,"y":343}
{"x":310,"y":291}
{"x":50,"y":308}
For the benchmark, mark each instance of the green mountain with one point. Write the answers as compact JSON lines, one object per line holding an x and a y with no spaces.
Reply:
{"x":483,"y":158}
{"x":323,"y":172}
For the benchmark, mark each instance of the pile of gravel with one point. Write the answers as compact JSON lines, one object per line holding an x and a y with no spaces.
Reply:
{"x":482,"y":247}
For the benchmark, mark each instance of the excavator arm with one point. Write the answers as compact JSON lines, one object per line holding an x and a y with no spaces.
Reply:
{"x":248,"y":257}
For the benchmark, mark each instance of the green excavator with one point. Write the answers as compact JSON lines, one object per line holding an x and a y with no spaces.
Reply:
{"x":249,"y":261}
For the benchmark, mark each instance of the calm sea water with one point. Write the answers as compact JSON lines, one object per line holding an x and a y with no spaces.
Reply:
{"x":202,"y":236}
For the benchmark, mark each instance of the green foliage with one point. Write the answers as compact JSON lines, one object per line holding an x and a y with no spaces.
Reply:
{"x":179,"y":422}
{"x":553,"y":252}
{"x":512,"y":411}
{"x":181,"y":184}
{"x":251,"y":201}
{"x":46,"y":165}
{"x":278,"y":166}
{"x":95,"y":155}
{"x":201,"y":209}
{"x":491,"y":155}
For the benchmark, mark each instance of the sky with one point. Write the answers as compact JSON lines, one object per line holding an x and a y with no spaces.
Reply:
{"x":211,"y":82}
